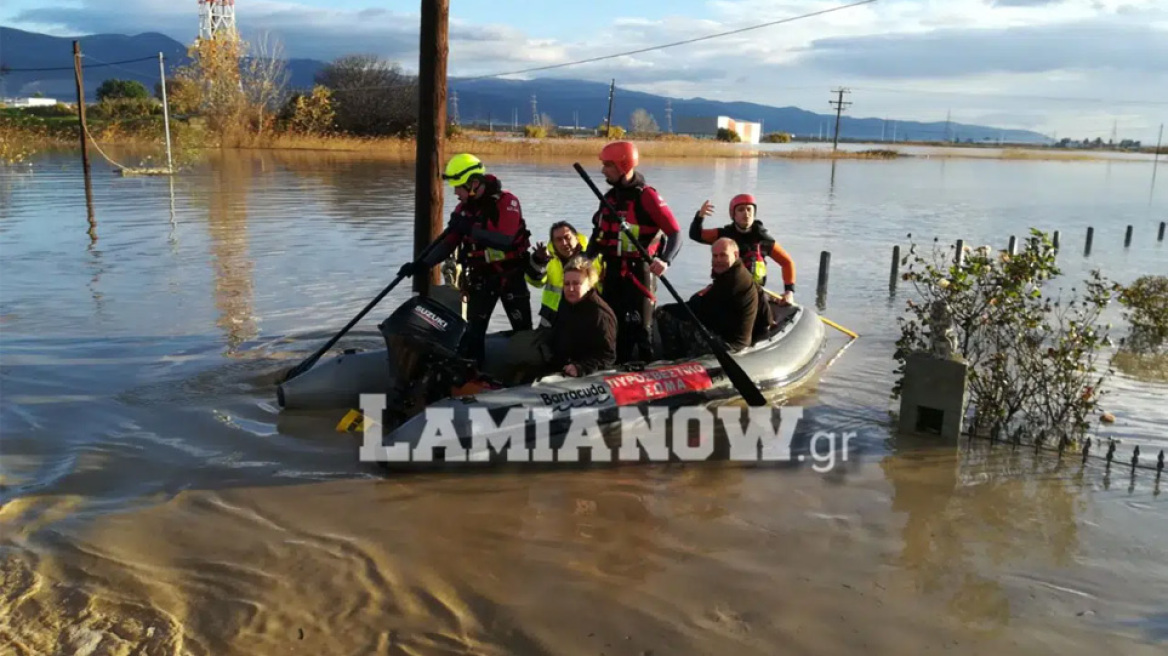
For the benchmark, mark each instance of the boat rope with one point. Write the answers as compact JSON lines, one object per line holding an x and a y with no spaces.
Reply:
{"x":121,"y":167}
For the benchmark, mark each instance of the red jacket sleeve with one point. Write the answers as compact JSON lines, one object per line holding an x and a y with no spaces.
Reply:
{"x":659,"y":211}
{"x":510,"y":213}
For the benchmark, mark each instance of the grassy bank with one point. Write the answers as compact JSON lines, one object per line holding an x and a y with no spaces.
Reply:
{"x":20,"y":136}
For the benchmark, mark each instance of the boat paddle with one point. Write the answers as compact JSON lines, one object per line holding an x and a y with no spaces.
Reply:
{"x":734,"y":372}
{"x":311,"y":360}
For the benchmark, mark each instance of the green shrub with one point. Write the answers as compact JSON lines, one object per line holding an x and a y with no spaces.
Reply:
{"x":1146,"y":309}
{"x":1033,"y":356}
{"x":115,"y":89}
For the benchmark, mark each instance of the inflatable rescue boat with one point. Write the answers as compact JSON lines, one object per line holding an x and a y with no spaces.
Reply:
{"x":422,"y":338}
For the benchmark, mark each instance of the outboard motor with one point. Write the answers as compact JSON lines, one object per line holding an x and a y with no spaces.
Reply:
{"x":423,"y":337}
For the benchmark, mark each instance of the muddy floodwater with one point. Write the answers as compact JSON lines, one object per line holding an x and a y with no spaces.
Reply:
{"x":153,"y":499}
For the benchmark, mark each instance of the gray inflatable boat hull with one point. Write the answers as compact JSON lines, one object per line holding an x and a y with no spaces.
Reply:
{"x":785,"y":359}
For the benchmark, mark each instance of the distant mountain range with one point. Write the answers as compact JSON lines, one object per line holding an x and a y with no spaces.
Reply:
{"x":482,"y":100}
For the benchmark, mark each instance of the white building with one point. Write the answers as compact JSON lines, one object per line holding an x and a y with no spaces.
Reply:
{"x":708,"y":126}
{"x":29,"y":102}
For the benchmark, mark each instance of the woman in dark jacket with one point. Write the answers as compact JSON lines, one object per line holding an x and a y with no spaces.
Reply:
{"x":583,"y":337}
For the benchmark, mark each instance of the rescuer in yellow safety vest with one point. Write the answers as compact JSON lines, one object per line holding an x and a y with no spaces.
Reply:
{"x":546,"y":267}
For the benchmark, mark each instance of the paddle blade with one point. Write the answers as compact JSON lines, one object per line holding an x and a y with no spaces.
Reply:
{"x":742,"y":382}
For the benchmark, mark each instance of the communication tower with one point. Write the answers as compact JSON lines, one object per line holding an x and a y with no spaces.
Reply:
{"x":216,"y":17}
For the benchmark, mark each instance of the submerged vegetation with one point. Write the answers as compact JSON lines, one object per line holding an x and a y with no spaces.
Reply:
{"x":1035,"y":354}
{"x":1143,"y":353}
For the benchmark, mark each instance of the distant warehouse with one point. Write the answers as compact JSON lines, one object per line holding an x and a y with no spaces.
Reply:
{"x":707,"y":127}
{"x":28,"y":102}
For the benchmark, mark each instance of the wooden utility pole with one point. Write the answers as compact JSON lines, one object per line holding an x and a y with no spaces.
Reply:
{"x":431,"y":133}
{"x":608,"y":121}
{"x":84,"y":131}
{"x":839,"y":107}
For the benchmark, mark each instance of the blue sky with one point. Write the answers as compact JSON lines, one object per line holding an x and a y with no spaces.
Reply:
{"x":1064,"y":67}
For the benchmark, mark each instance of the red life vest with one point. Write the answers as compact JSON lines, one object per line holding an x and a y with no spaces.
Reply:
{"x":612,"y":241}
{"x":502,"y":217}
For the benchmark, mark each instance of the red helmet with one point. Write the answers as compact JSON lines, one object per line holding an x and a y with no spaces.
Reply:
{"x":621,"y":153}
{"x":742,"y":199}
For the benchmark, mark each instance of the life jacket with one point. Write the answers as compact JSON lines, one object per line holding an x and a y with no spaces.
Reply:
{"x":553,"y":281}
{"x":627,"y":201}
{"x":487,"y":216}
{"x":753,"y":248}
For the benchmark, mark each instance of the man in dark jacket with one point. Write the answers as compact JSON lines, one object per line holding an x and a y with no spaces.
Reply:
{"x":728,"y":307}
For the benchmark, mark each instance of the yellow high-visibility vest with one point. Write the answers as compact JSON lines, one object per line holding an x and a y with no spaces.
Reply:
{"x":552,"y":281}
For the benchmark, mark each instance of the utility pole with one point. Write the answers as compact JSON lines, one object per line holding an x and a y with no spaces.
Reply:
{"x":608,"y":120}
{"x":165,"y":113}
{"x":534,"y":112}
{"x":84,"y":132}
{"x":669,"y":116}
{"x":454,"y":108}
{"x":434,"y":47}
{"x":839,"y":105}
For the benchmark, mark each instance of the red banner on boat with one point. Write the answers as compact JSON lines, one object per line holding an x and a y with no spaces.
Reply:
{"x":641,"y":386}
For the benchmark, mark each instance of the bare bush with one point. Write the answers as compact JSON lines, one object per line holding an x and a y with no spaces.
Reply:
{"x":371,"y":96}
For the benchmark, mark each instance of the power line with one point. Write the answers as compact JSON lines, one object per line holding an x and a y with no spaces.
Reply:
{"x":5,"y":69}
{"x":676,"y":43}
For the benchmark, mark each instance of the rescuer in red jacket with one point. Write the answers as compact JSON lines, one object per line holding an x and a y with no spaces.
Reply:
{"x":755,"y":244}
{"x":488,"y":228}
{"x":628,"y":286}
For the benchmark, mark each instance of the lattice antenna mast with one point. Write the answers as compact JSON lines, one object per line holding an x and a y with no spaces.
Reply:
{"x":216,"y":17}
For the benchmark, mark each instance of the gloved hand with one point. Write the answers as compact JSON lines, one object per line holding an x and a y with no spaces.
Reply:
{"x":540,"y":256}
{"x":407,"y":270}
{"x":461,"y":223}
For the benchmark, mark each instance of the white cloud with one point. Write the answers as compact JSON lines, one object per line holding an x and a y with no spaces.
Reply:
{"x":913,"y":59}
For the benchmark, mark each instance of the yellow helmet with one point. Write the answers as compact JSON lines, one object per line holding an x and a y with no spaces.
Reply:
{"x":461,"y":167}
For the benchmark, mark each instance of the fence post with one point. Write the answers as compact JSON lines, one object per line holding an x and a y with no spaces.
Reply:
{"x":894,"y":274}
{"x":821,"y":286}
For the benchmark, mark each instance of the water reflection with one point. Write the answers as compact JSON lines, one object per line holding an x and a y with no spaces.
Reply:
{"x":975,"y":510}
{"x":227,"y":214}
{"x":171,"y":237}
{"x":354,"y":190}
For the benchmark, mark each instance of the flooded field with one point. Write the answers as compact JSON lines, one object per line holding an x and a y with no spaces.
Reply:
{"x":154,"y":501}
